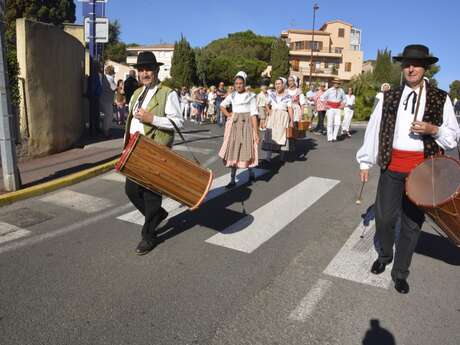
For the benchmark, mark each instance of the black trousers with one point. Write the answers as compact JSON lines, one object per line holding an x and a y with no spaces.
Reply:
{"x":320,"y":126}
{"x":391,"y":203}
{"x":148,"y":203}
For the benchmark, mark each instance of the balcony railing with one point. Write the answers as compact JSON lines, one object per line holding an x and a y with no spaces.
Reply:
{"x":326,"y":71}
{"x":316,"y":51}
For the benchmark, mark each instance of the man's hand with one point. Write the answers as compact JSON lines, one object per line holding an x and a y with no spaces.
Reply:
{"x":364,"y":175}
{"x":144,"y":116}
{"x":291,"y":123}
{"x":424,"y":128}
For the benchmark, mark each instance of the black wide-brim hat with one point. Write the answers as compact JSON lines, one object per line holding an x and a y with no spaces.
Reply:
{"x":417,"y":52}
{"x":147,"y":59}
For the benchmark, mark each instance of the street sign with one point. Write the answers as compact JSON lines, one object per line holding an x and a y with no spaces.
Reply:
{"x":102,"y":30}
{"x":88,"y":8}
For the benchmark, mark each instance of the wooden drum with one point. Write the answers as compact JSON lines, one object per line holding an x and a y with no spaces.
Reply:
{"x":159,"y":169}
{"x":304,"y":125}
{"x":434,"y":186}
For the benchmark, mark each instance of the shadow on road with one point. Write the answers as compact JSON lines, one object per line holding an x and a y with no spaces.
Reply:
{"x":215,"y":213}
{"x":377,"y":335}
{"x":439,"y":248}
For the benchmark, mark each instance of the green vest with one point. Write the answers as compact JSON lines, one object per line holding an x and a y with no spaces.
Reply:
{"x":157,"y":107}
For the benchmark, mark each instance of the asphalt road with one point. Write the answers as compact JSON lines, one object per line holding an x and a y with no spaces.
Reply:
{"x":279,"y":261}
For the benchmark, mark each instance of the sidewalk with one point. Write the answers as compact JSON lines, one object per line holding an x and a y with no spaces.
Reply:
{"x":41,"y":175}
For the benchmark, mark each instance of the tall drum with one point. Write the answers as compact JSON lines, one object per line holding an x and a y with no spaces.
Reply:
{"x":434,"y":186}
{"x":159,"y":169}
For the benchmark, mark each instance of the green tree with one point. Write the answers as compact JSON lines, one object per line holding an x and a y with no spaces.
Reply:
{"x":115,"y":49}
{"x":280,"y":59}
{"x":386,"y":71}
{"x":431,"y":72}
{"x":48,"y":11}
{"x":454,"y":90}
{"x":183,"y":65}
{"x":365,"y":87}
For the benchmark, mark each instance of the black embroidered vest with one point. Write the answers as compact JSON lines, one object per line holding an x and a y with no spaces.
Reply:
{"x":434,"y":107}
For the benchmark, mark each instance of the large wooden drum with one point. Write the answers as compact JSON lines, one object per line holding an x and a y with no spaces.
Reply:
{"x":159,"y":169}
{"x":434,"y":186}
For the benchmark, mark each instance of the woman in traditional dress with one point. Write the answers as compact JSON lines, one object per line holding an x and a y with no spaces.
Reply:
{"x":297,"y":98}
{"x":281,"y":117}
{"x":241,"y":136}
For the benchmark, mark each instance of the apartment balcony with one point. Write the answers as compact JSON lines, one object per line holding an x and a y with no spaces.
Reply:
{"x":316,"y":52}
{"x":319,"y":72}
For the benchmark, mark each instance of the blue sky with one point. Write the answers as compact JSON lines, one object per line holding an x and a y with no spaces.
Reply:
{"x":385,"y":24}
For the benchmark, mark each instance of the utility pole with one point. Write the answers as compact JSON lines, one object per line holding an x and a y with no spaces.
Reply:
{"x":10,"y":170}
{"x":315,"y":8}
{"x":94,"y":73}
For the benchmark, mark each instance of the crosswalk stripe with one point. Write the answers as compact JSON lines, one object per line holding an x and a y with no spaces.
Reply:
{"x":182,"y":148}
{"x":252,"y":231}
{"x":9,"y":232}
{"x":114,"y":176}
{"x":354,"y":260}
{"x":78,"y":201}
{"x":174,"y":208}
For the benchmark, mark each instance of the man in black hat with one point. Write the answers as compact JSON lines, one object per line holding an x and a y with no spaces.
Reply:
{"x":152,"y":108}
{"x":414,"y":121}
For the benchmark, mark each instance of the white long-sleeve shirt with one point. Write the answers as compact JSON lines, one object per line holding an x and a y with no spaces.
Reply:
{"x":172,"y":111}
{"x":244,"y":102}
{"x":447,"y":136}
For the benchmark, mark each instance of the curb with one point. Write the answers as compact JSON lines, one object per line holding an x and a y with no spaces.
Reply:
{"x":50,"y":186}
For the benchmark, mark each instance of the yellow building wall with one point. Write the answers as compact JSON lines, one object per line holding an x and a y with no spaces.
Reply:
{"x":51,"y":65}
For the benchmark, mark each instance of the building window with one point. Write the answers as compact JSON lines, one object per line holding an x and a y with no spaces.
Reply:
{"x":341,"y":32}
{"x":347,"y":66}
{"x":314,"y":45}
{"x":338,"y":50}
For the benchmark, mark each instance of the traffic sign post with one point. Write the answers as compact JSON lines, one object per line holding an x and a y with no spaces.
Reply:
{"x":96,"y":31}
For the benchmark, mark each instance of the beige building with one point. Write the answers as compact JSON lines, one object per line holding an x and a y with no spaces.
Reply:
{"x":163,"y":53}
{"x":336,"y":49}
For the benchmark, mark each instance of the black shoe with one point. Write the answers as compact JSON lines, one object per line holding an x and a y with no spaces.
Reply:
{"x":146,"y":246}
{"x":401,"y":286}
{"x":230,"y":185}
{"x":378,"y":267}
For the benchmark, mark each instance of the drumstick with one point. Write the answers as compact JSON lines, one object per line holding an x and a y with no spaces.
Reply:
{"x":358,"y":202}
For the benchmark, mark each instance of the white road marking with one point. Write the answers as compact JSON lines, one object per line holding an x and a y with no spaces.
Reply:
{"x":308,"y":304}
{"x":252,"y":231}
{"x":78,"y":201}
{"x":183,"y":148}
{"x":114,"y":176}
{"x":354,"y":260}
{"x":9,"y":232}
{"x":198,"y":135}
{"x":174,"y":208}
{"x":65,"y":230}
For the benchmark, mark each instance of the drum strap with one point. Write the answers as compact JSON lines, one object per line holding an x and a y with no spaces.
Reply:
{"x":184,"y":141}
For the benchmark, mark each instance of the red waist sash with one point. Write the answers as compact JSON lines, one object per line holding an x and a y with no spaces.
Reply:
{"x":333,"y":105}
{"x":405,"y":161}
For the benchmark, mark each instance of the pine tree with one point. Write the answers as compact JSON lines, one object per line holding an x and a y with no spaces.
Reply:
{"x":383,"y":66}
{"x":280,"y":59}
{"x":48,"y":11}
{"x":183,"y":65}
